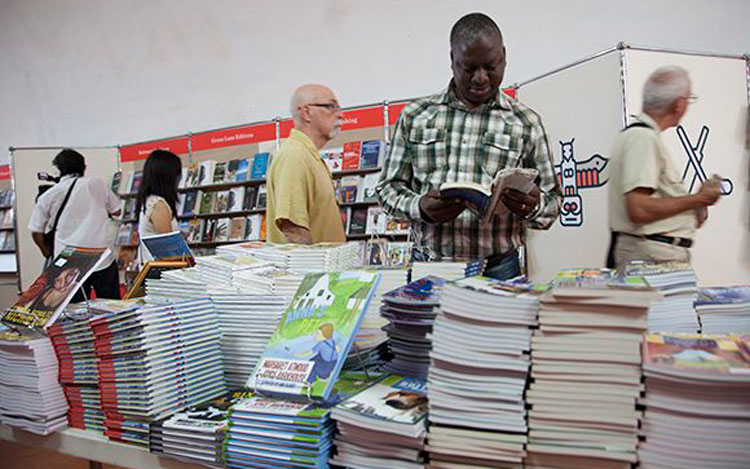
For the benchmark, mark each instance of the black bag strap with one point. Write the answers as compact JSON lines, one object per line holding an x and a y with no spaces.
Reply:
{"x":62,"y":207}
{"x":636,"y":124}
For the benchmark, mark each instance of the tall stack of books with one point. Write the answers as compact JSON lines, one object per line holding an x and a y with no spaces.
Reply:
{"x":382,"y":426}
{"x":196,"y":434}
{"x":586,"y":371}
{"x":678,"y":284}
{"x":326,"y":257}
{"x":410,"y":311}
{"x":302,"y":359}
{"x":247,"y":322}
{"x":73,"y":340}
{"x":479,"y":367}
{"x":155,"y":361}
{"x":30,"y":396}
{"x":697,"y":401}
{"x":724,"y":309}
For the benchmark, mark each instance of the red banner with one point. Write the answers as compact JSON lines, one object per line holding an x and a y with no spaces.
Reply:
{"x":140,"y":151}
{"x":5,"y":172}
{"x":234,"y":136}
{"x":285,"y":128}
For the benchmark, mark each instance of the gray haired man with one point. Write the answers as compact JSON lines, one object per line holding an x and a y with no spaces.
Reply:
{"x":651,"y":215}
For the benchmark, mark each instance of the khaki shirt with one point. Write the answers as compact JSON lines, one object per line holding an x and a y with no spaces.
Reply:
{"x":640,"y":159}
{"x":300,"y":189}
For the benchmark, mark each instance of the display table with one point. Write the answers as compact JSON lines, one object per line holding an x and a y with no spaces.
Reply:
{"x":94,"y":447}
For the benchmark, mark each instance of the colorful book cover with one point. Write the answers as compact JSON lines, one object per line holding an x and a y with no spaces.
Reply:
{"x":395,"y":398}
{"x":192,"y":175}
{"x":195,"y":231}
{"x":423,"y":292}
{"x":350,"y":159}
{"x":242,"y":171}
{"x":39,"y":306}
{"x":723,"y":295}
{"x":207,"y":202}
{"x":188,"y":207}
{"x":168,"y":247}
{"x":712,"y":354}
{"x":232,"y":167}
{"x":372,"y":154}
{"x":332,"y":158}
{"x":305,"y":354}
{"x":260,"y":165}
{"x":349,"y":189}
{"x":263,"y":227}
{"x":235,"y":199}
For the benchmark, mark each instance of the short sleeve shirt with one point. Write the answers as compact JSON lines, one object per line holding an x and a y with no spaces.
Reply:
{"x":640,"y":159}
{"x":300,"y":189}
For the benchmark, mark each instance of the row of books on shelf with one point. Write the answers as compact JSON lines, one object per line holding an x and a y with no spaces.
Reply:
{"x":206,"y":173}
{"x":195,"y":202}
{"x":250,"y":228}
{"x":7,"y":241}
{"x":371,"y":220}
{"x":6,"y":218}
{"x":355,"y":155}
{"x":355,"y":189}
{"x":6,"y":197}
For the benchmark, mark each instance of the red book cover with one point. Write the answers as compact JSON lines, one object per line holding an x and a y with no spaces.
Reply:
{"x":350,"y":159}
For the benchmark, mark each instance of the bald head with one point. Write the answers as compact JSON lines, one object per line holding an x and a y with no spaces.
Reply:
{"x":307,"y":94}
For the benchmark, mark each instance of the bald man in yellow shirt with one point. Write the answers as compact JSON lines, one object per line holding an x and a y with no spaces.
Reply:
{"x":302,"y":206}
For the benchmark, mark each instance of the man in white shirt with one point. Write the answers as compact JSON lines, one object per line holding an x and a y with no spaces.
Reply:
{"x":83,"y":221}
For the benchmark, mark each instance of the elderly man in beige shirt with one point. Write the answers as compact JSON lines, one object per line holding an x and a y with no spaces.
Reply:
{"x":651,"y":215}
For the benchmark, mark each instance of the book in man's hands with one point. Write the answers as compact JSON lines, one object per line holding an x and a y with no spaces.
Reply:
{"x":485,"y":201}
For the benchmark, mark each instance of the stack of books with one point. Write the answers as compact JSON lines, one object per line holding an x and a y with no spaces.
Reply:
{"x":220,"y":269}
{"x":196,"y":434}
{"x":479,"y":367}
{"x":697,"y":401}
{"x":410,"y":311}
{"x":448,"y":270}
{"x":323,"y":257}
{"x":247,"y":322}
{"x":724,"y":309}
{"x":268,"y":281}
{"x":586,"y":371}
{"x":155,"y":361}
{"x":30,"y":396}
{"x":679,"y":286}
{"x":73,"y":340}
{"x":180,"y":285}
{"x":382,"y":426}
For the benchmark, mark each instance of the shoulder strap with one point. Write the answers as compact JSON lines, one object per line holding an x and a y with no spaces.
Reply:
{"x":62,"y":207}
{"x":636,"y":124}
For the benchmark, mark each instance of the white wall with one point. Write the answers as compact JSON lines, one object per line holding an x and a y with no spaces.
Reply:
{"x":103,"y":72}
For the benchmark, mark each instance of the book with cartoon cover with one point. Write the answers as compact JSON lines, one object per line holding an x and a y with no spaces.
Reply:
{"x":39,"y":306}
{"x":305,"y":354}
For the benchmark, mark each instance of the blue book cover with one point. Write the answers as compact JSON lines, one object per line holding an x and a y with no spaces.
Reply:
{"x":305,"y":354}
{"x":242,"y":170}
{"x":724,"y":295}
{"x":371,"y":154}
{"x":260,"y":166}
{"x":168,"y":246}
{"x":423,"y":292}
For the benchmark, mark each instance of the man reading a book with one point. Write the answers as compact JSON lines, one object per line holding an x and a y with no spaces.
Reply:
{"x":302,"y":206}
{"x":467,"y":134}
{"x":651,"y":215}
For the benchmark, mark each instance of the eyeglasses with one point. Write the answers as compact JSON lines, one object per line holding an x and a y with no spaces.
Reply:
{"x":692,"y":98}
{"x":333,"y":107}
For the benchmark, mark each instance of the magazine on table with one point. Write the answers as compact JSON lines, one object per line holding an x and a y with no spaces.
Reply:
{"x":40,"y":305}
{"x":168,"y":247}
{"x":305,"y":354}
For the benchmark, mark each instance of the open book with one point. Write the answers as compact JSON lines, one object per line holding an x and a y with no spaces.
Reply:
{"x":484,"y":201}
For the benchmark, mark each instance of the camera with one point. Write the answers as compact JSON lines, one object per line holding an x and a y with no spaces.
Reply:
{"x":42,"y":176}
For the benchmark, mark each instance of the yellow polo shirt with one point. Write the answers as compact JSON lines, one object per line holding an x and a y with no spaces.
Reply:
{"x":640,"y":159}
{"x":300,"y":189}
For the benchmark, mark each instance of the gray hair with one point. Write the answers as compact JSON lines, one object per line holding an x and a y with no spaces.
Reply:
{"x":664,"y":86}
{"x":305,"y":94}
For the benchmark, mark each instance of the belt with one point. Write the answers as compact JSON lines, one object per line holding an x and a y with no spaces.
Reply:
{"x":681,"y":242}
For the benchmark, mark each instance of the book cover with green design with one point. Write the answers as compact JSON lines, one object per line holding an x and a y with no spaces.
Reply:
{"x":305,"y":354}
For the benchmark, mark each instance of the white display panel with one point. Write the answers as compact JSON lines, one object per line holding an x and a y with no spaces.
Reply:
{"x":721,"y":254}
{"x":581,"y":108}
{"x":100,"y":162}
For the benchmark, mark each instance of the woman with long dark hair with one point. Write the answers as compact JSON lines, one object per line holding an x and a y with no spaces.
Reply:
{"x":156,"y":203}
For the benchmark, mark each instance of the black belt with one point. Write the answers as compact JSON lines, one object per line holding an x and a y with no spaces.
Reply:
{"x":681,"y":242}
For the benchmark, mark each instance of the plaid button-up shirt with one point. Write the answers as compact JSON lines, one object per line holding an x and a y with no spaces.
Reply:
{"x":438,"y":139}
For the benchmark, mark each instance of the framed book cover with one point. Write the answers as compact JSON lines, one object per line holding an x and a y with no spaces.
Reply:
{"x":39,"y":306}
{"x":168,"y":247}
{"x":305,"y":354}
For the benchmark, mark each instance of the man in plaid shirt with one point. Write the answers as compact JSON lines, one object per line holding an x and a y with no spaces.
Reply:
{"x":467,"y":133}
